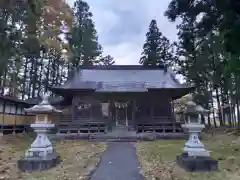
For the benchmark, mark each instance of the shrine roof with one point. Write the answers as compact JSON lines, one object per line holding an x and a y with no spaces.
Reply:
{"x":122,"y":78}
{"x":52,"y":100}
{"x":12,"y":99}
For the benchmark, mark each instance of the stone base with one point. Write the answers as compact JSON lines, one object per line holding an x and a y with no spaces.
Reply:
{"x":30,"y":164}
{"x":197,"y":164}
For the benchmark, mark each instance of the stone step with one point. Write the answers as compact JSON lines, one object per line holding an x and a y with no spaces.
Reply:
{"x":118,"y":137}
{"x":113,"y":140}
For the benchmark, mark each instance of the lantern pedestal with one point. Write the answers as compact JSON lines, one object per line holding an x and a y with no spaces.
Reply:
{"x":194,"y":147}
{"x":40,"y":156}
{"x":38,"y":163}
{"x":197,"y":163}
{"x":41,"y":146}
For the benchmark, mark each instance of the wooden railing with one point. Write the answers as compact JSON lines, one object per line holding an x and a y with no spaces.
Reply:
{"x":160,"y":125}
{"x":76,"y":124}
{"x":71,"y":124}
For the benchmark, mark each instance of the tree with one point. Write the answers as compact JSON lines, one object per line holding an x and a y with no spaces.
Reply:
{"x":205,"y":52}
{"x":157,"y":48}
{"x":222,"y":17}
{"x":83,"y":38}
{"x":45,"y":21}
{"x":29,"y":31}
{"x":107,"y":60}
{"x":31,"y":49}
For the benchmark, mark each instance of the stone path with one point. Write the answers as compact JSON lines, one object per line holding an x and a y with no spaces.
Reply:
{"x":119,"y":162}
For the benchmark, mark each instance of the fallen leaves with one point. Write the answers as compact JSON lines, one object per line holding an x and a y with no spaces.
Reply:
{"x":157,"y":159}
{"x":79,"y":158}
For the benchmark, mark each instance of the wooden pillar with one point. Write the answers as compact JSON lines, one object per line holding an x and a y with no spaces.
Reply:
{"x":152,"y":110}
{"x":110,"y":116}
{"x":15,"y":119}
{"x":72,"y":107}
{"x":170,"y":114}
{"x":3,"y":113}
{"x":113,"y":113}
{"x":72,"y":116}
{"x":152,"y":106}
{"x":91,"y":111}
{"x":126,"y":115}
{"x":172,"y":108}
{"x":134,"y":114}
{"x":173,"y":121}
{"x":109,"y":110}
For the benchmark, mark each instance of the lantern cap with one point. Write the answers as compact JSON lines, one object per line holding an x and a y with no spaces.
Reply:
{"x":43,"y":107}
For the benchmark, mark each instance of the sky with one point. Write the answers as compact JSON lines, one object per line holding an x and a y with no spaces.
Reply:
{"x":122,"y":25}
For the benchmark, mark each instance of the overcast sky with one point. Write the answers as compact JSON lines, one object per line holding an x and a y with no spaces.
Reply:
{"x":122,"y":25}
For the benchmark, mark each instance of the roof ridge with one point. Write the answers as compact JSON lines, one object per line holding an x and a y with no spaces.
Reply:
{"x":122,"y":67}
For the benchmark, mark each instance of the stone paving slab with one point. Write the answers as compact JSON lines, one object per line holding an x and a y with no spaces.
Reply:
{"x":119,"y":162}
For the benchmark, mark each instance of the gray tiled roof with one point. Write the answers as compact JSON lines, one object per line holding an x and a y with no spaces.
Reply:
{"x":12,"y":99}
{"x":123,"y":79}
{"x":118,"y":86}
{"x":52,"y":100}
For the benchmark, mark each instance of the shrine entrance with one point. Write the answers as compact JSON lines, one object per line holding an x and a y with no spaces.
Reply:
{"x":122,"y":115}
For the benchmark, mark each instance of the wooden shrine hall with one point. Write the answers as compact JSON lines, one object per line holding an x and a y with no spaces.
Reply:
{"x":103,"y":98}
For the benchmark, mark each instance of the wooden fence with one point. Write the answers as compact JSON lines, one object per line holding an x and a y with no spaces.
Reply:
{"x":159,"y":125}
{"x":15,"y":123}
{"x":10,"y":123}
{"x":71,"y":124}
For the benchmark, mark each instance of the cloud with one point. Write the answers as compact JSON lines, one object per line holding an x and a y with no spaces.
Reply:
{"x":122,"y":25}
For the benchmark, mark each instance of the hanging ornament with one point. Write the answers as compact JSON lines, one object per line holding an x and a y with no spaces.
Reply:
{"x":121,"y":105}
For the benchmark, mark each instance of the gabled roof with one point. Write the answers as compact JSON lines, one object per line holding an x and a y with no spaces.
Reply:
{"x":122,"y":78}
{"x":52,"y":100}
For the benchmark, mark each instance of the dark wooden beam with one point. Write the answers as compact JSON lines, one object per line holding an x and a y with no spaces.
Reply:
{"x":134,"y":113}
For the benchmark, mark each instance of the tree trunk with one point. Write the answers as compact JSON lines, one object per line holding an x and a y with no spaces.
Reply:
{"x":219,"y":107}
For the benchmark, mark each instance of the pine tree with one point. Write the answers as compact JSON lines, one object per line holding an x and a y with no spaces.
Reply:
{"x":83,"y":36}
{"x":221,"y":17}
{"x":203,"y":54}
{"x":156,"y":50}
{"x":29,"y":30}
{"x":107,"y":60}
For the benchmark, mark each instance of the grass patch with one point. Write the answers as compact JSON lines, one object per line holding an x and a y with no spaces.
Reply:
{"x":79,"y":159}
{"x":157,"y":159}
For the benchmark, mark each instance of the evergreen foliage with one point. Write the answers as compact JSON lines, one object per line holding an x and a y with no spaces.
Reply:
{"x":208,"y":53}
{"x":33,"y":55}
{"x":156,"y":49}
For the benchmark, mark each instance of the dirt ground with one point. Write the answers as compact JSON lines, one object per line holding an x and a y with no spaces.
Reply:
{"x":79,"y":159}
{"x":157,"y":158}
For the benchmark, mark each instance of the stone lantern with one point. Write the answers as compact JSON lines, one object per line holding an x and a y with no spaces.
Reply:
{"x":40,"y":155}
{"x":195,"y":157}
